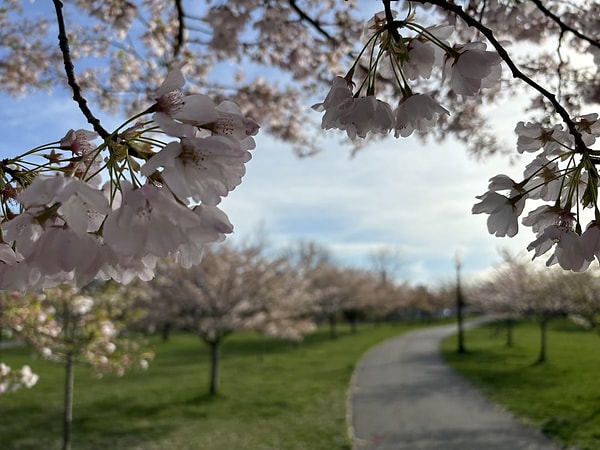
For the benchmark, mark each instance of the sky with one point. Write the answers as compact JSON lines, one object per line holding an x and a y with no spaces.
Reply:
{"x":404,"y":195}
{"x":398,"y":194}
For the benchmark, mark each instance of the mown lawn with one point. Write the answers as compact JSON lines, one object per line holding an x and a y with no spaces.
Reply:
{"x":560,"y":396}
{"x":292,"y":398}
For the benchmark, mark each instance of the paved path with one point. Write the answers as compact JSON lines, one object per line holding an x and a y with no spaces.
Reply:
{"x":404,"y":396}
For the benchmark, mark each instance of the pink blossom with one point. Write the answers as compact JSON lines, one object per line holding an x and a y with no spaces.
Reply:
{"x":472,"y":68}
{"x":569,"y":251}
{"x":545,"y":181}
{"x":232,"y":122}
{"x":81,"y":205}
{"x":543,"y":216}
{"x":503,"y":212}
{"x":149,"y":221}
{"x":179,"y":115}
{"x":60,"y":251}
{"x":423,"y":54}
{"x":533,"y":136}
{"x":590,"y":241}
{"x":213,"y":226}
{"x":417,"y":112}
{"x":356,"y":115}
{"x":201,"y":169}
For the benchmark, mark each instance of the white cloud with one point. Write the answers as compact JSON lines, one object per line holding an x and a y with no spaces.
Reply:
{"x":398,"y":193}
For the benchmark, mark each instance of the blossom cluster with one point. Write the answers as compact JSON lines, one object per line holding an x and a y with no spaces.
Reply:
{"x":390,"y":55}
{"x":149,"y":190}
{"x":561,"y":174}
{"x":83,"y":325}
{"x":12,"y":380}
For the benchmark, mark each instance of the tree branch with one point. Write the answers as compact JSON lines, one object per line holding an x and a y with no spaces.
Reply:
{"x":180,"y":27}
{"x":563,"y":26}
{"x":304,"y":16}
{"x":390,"y":21}
{"x":63,"y":43}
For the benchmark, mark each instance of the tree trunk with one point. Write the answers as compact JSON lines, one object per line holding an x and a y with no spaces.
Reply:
{"x":332,"y":328}
{"x":510,"y":324}
{"x":460,"y":304}
{"x":166,"y":332}
{"x":68,"y":402}
{"x":543,"y":326}
{"x":353,"y":325}
{"x":215,"y":350}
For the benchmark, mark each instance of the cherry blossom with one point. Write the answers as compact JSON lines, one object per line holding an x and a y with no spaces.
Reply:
{"x":471,"y":68}
{"x":504,"y":212}
{"x":12,"y":380}
{"x":568,"y":253}
{"x":148,"y":221}
{"x":533,"y":136}
{"x":418,"y":112}
{"x":202,"y":169}
{"x":178,"y":115}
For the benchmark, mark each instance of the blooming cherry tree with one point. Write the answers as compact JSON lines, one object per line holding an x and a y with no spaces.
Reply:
{"x":82,"y":327}
{"x":96,"y":203}
{"x":232,"y":289}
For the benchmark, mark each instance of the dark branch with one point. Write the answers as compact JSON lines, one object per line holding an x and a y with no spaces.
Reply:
{"x":180,"y":28}
{"x":304,"y":16}
{"x":563,"y":26}
{"x":389,"y":18}
{"x":63,"y":43}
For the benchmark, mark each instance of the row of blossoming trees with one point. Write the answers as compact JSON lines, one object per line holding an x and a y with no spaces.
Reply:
{"x":520,"y":290}
{"x":250,"y":287}
{"x":279,"y":295}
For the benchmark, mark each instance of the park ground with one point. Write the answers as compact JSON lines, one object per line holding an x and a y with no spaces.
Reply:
{"x":281,"y":395}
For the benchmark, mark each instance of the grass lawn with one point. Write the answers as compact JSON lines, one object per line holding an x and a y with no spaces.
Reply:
{"x":560,"y":396}
{"x":295,"y":398}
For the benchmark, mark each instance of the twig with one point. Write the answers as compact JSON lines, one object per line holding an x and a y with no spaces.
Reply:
{"x":63,"y":43}
{"x":304,"y":16}
{"x":563,"y":26}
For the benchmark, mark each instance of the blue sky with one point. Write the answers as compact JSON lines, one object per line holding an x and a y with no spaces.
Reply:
{"x":415,"y":198}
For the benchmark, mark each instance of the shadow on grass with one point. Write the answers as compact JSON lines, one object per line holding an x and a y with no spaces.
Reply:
{"x":566,"y":428}
{"x":492,"y":369}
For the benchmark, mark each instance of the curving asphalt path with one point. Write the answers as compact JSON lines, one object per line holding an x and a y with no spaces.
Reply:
{"x":403,"y":396}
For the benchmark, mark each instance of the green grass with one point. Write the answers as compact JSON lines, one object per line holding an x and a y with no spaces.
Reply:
{"x":561,"y":396}
{"x":295,"y":398}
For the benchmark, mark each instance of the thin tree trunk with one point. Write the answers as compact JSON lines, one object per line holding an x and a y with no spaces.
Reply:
{"x":68,"y":405}
{"x":215,"y":349}
{"x":510,"y":324}
{"x":353,"y":326}
{"x":332,"y":328}
{"x":543,"y":339}
{"x":166,"y":332}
